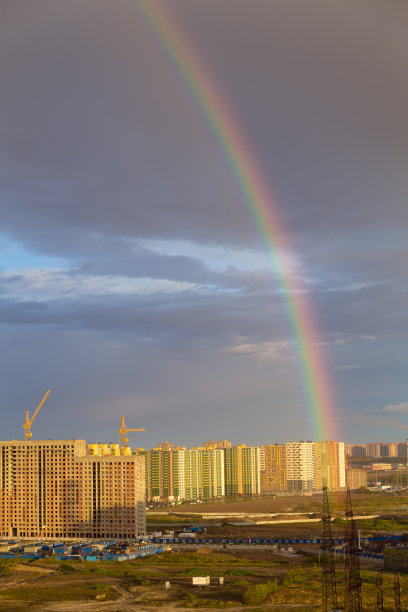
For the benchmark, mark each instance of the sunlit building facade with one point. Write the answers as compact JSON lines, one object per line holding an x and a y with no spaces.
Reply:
{"x":273,"y":469}
{"x":56,"y":489}
{"x":330,"y":468}
{"x":300,"y":466}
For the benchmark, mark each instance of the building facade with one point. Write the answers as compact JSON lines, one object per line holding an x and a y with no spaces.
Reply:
{"x":300,"y":466}
{"x":242,"y":470}
{"x":330,"y":468}
{"x":356,"y":478}
{"x":53,"y":488}
{"x":273,"y":472}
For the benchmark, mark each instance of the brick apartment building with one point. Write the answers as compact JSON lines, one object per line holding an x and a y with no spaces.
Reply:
{"x":52,"y":488}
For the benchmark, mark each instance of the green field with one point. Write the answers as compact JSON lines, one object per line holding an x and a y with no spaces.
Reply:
{"x":252,"y":579}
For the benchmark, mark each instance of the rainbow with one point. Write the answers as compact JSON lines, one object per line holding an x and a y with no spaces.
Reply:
{"x":261,"y":205}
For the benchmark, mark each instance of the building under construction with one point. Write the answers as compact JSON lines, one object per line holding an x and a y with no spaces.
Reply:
{"x":54,"y":489}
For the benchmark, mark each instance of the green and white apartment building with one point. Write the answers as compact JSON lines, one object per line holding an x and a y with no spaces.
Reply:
{"x":218,"y":469}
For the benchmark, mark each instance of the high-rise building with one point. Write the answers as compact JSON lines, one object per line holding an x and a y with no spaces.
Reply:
{"x":111,"y":497}
{"x":300,"y":466}
{"x":403,"y":449}
{"x":329,"y":458}
{"x":158,"y":474}
{"x":273,"y":474}
{"x":53,"y":488}
{"x":251,"y":470}
{"x":166,"y":446}
{"x":356,"y":478}
{"x":179,"y":474}
{"x":357,"y":450}
{"x":373,"y":449}
{"x":204,"y":473}
{"x":242,"y":470}
{"x":389,"y":449}
{"x":219,"y":444}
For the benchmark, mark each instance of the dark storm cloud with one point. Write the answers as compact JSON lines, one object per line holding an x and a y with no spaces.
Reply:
{"x":102,"y":146}
{"x":90,"y":141}
{"x":377,"y":310}
{"x":217,"y":318}
{"x":174,"y":319}
{"x":140,"y":262}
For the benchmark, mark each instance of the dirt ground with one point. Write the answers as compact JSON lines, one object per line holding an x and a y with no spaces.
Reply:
{"x":139,"y":585}
{"x":268,"y":504}
{"x":363,"y":503}
{"x":297,"y":530}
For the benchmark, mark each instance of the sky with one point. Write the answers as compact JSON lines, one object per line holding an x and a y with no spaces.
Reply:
{"x":133,"y":278}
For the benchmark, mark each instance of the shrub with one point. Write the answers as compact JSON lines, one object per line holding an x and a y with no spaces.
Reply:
{"x":5,"y":566}
{"x":257,"y":594}
{"x":241,"y":582}
{"x":296,"y":575}
{"x":65,"y":568}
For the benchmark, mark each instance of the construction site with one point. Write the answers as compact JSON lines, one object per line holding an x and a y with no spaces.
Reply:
{"x":321,"y":566}
{"x":74,"y":535}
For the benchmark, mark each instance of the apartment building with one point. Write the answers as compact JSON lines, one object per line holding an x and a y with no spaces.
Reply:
{"x":179,"y":474}
{"x":273,"y":469}
{"x":300,"y":466}
{"x":219,"y":444}
{"x":377,"y":449}
{"x":330,"y":469}
{"x":158,"y":473}
{"x":356,"y":450}
{"x":373,"y":449}
{"x":111,"y":497}
{"x":242,"y":470}
{"x":53,"y":488}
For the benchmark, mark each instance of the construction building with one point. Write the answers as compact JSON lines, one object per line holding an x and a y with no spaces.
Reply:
{"x":55,"y":489}
{"x":356,"y":478}
{"x":273,"y":469}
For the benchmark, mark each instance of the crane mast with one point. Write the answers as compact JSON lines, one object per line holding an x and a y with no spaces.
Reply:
{"x":28,"y":422}
{"x":122,"y":431}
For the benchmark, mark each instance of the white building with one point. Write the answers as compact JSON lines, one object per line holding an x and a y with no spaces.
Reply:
{"x":300,"y":466}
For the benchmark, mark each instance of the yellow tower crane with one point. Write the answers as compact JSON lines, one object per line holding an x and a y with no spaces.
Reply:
{"x":123,"y":431}
{"x":29,"y":422}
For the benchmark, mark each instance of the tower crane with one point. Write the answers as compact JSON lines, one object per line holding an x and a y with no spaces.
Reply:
{"x":123,"y":431}
{"x":28,"y":422}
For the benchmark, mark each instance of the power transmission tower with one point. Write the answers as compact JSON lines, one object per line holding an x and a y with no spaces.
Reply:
{"x":397,"y":591}
{"x":329,"y":590}
{"x":380,"y":593}
{"x":352,"y":586}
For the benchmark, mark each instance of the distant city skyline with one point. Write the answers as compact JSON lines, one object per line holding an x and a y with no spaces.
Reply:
{"x":133,"y":279}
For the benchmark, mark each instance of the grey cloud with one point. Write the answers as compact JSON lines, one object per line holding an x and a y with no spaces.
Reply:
{"x":93,"y":382}
{"x":87,"y":118}
{"x":102,"y":146}
{"x":186,"y":318}
{"x":379,"y":421}
{"x":402,"y":408}
{"x":380,"y":308}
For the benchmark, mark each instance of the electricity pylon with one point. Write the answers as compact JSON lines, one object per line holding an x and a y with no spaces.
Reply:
{"x":380,"y":593}
{"x":352,"y":586}
{"x":329,"y":590}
